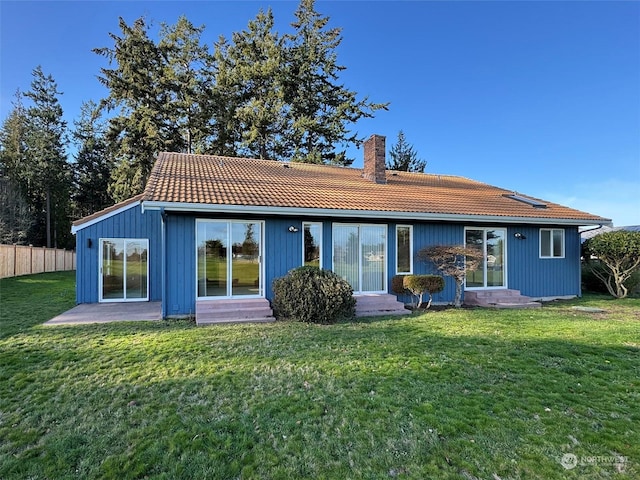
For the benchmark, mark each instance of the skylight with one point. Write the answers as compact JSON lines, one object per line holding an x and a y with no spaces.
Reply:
{"x":527,"y":200}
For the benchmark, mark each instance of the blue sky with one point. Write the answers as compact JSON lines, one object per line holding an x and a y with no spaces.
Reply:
{"x":539,"y":97}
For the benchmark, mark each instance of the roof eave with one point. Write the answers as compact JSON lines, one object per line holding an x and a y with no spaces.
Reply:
{"x":369,"y":214}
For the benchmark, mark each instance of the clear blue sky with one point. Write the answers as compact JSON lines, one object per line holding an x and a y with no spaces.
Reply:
{"x":539,"y":97}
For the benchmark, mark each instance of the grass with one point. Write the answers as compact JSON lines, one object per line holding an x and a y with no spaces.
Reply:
{"x":443,"y":394}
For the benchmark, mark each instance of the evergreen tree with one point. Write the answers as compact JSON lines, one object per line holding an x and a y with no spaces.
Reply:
{"x":12,"y":143}
{"x":256,"y":57}
{"x":404,"y":158}
{"x":321,"y":109}
{"x":16,"y":218}
{"x":92,"y":169}
{"x":138,"y":88}
{"x":187,"y":79}
{"x":48,"y":175}
{"x":225,"y":99}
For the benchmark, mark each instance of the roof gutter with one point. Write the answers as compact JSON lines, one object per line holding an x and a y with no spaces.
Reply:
{"x":370,"y":214}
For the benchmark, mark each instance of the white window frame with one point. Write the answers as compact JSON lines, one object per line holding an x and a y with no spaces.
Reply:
{"x":385,"y":253}
{"x":262,"y":290}
{"x":410,"y":227}
{"x":124,"y":298}
{"x":320,"y":246}
{"x":550,"y":232}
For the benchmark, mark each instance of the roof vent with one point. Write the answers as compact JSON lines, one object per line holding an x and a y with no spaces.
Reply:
{"x":529,"y":201}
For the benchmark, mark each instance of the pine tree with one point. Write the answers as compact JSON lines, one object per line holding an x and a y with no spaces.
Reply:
{"x":321,"y":109}
{"x":187,"y":79}
{"x":93,"y":165}
{"x":12,"y":143}
{"x":256,"y":57}
{"x":48,"y":174}
{"x":404,"y":158}
{"x":138,"y":88}
{"x":225,"y":99}
{"x":16,"y":218}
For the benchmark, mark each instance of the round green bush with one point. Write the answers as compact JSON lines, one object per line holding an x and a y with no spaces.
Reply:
{"x":309,"y":294}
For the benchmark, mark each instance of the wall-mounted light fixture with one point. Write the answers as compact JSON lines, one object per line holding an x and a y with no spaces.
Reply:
{"x":293,"y":229}
{"x":89,"y":243}
{"x":519,"y":236}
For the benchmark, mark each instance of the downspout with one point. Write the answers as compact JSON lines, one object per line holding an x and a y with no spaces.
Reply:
{"x":163,"y":216}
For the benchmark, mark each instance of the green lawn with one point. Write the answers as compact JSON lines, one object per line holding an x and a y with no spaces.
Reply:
{"x":457,"y":394}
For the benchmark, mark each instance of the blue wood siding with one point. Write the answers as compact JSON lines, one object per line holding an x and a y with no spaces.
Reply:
{"x":542,"y":277}
{"x":282,"y":251}
{"x":130,"y":223}
{"x":429,"y":234}
{"x":180,"y":235}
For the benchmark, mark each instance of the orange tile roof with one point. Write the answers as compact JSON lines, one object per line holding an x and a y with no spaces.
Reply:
{"x":215,"y":180}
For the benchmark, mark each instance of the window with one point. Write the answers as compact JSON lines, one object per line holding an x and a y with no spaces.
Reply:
{"x":124,"y":269}
{"x":492,"y":243}
{"x":404,"y":249}
{"x":312,"y":244}
{"x":551,"y":243}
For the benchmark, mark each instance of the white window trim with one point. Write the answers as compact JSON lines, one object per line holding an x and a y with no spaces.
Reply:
{"x":410,"y":227}
{"x":101,"y":241}
{"x":263,"y":289}
{"x":550,"y":232}
{"x":386,"y":254}
{"x":505,"y":270}
{"x":320,"y":246}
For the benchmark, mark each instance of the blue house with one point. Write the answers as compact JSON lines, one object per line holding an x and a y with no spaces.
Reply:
{"x":210,"y":231}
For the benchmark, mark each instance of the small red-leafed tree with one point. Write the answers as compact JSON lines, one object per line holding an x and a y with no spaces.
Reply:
{"x":453,"y":261}
{"x":616,"y":256}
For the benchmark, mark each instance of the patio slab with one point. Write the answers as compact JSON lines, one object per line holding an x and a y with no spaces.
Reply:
{"x":109,"y":312}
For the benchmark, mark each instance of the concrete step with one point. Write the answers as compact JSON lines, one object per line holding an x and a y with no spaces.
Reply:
{"x":379,"y":304}
{"x":500,"y":298}
{"x":233,"y":311}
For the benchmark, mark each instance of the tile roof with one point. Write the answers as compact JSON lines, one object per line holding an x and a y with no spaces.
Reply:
{"x":215,"y":180}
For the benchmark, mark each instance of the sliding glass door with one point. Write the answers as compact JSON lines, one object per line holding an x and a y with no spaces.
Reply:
{"x":492,"y":243}
{"x":229,"y":257}
{"x":359,"y":256}
{"x":124,"y":270}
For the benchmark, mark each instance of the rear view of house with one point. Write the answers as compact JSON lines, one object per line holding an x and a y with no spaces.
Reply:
{"x":219,"y":229}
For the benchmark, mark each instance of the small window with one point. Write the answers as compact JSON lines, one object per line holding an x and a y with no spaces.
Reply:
{"x":312,"y":245}
{"x":551,"y":243}
{"x":404,"y":249}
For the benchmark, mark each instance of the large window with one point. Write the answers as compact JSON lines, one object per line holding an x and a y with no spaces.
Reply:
{"x":229,"y":257}
{"x":359,"y":256}
{"x":551,"y":243}
{"x":404,"y":249}
{"x":312,"y":244}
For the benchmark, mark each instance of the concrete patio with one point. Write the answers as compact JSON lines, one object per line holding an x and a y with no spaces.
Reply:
{"x":109,"y":312}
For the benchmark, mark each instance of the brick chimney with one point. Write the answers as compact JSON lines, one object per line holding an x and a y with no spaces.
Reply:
{"x":374,"y":159}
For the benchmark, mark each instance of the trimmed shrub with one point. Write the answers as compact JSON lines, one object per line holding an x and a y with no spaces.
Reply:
{"x":419,"y":284}
{"x":309,"y":294}
{"x":397,"y":285}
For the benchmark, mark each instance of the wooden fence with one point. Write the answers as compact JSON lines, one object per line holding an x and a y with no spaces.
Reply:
{"x":18,"y":260}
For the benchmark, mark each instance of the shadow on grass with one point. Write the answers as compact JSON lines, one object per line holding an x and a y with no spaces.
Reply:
{"x":298,"y":401}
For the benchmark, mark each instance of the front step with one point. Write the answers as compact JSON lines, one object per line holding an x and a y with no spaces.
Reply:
{"x":250,"y":310}
{"x":503,"y":298}
{"x":379,"y":304}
